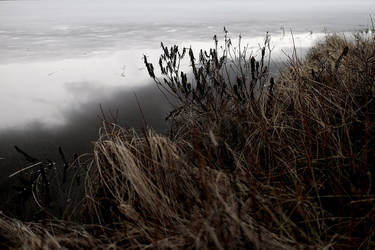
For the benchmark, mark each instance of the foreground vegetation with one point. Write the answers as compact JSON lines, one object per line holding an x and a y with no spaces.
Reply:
{"x":251,"y":161}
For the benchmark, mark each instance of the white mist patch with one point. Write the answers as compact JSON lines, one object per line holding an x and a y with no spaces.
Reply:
{"x":37,"y":90}
{"x":282,"y":46}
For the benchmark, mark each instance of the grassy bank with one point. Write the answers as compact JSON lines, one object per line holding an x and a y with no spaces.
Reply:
{"x":251,"y":161}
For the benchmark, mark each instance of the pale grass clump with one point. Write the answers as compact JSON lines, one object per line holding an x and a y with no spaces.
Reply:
{"x":252,"y":161}
{"x":166,"y":201}
{"x":55,"y":234}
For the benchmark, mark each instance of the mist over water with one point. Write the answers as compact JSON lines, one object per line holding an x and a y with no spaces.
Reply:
{"x":60,"y":60}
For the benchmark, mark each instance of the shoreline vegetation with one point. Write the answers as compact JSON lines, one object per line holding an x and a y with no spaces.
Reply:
{"x":251,"y":160}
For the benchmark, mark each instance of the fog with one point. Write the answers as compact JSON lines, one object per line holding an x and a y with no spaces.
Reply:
{"x":62,"y":59}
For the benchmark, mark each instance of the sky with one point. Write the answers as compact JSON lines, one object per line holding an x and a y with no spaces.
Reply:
{"x":144,"y":11}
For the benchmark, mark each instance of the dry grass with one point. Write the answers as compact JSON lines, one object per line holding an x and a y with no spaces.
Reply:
{"x":287,"y":166}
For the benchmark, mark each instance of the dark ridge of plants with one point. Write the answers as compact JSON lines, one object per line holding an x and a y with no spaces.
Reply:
{"x":252,"y":160}
{"x":44,"y":189}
